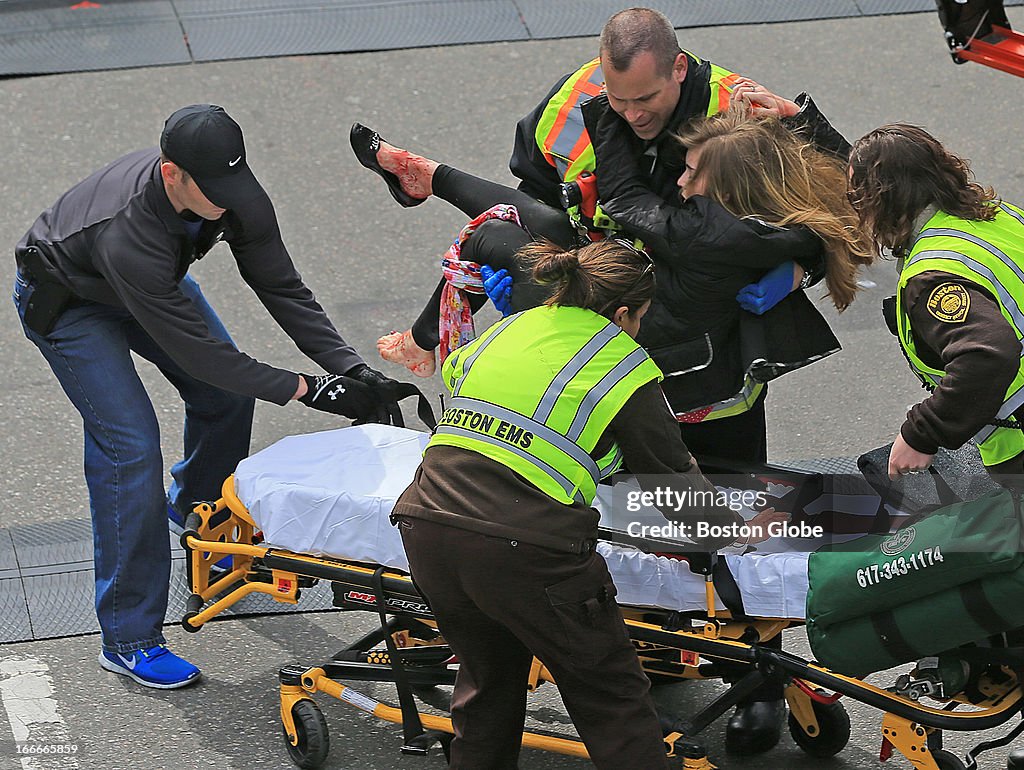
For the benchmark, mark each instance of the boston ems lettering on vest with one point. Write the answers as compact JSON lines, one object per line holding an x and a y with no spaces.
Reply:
{"x":536,"y":391}
{"x":485,"y":423}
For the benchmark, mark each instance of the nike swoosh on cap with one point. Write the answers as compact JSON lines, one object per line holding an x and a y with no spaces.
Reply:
{"x":235,"y":161}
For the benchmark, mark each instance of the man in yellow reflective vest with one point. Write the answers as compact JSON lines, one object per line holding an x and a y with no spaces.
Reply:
{"x":958,"y":308}
{"x":653,"y":85}
{"x":645,"y":86}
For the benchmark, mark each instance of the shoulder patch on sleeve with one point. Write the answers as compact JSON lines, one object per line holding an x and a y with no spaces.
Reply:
{"x":949,"y":303}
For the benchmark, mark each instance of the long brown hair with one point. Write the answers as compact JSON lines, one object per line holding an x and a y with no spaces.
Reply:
{"x":754,"y":167}
{"x":898,"y":171}
{"x":602,"y":276}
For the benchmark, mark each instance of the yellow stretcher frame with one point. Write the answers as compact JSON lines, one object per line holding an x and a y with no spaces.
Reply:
{"x":225,"y":528}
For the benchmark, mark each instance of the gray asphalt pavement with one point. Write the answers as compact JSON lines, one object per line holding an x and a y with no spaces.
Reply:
{"x":372,"y":264}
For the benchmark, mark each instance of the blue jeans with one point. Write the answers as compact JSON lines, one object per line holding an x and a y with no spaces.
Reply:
{"x":89,"y":350}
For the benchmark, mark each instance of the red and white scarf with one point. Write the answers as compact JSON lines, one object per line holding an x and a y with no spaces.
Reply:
{"x":461,"y":279}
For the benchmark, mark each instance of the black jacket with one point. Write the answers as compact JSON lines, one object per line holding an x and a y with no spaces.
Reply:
{"x":705,"y":255}
{"x":115,"y":238}
{"x":695,"y":327}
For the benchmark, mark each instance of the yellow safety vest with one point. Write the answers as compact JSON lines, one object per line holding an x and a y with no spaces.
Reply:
{"x":562,"y":136}
{"x":537,"y":390}
{"x":990,"y":254}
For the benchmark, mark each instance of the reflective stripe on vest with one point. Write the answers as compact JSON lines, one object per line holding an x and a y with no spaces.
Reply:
{"x":722,"y":82}
{"x":536,"y":392}
{"x":952,"y":245}
{"x":738,"y":404}
{"x":480,"y":417}
{"x":730,"y":407}
{"x":561,"y":134}
{"x":611,"y":462}
{"x":482,"y":342}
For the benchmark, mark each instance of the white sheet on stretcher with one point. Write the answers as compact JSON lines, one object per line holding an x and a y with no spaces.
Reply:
{"x":330,"y":494}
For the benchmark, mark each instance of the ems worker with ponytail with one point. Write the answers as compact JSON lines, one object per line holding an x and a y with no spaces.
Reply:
{"x":498,"y":526}
{"x":958,"y":305}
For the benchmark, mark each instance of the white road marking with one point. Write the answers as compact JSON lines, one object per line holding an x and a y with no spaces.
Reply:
{"x":26,"y":689}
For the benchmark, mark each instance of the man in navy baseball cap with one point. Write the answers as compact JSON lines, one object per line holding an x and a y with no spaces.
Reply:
{"x":104,"y":274}
{"x":204,"y":141}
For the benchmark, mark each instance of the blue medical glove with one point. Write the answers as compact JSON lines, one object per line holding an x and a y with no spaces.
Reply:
{"x":498,"y":288}
{"x":758,"y":298}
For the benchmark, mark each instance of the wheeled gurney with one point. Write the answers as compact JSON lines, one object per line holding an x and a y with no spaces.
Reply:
{"x":288,"y":524}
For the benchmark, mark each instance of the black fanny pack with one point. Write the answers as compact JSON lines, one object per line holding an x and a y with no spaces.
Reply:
{"x":48,"y":299}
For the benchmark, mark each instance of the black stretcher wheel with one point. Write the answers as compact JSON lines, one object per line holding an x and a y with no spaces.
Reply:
{"x":833,"y":730}
{"x":311,"y":730}
{"x":947,"y":760}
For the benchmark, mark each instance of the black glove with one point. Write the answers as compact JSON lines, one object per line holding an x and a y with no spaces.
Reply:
{"x":386,"y":390}
{"x":338,"y":394}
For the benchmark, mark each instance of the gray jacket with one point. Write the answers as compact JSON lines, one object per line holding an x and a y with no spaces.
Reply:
{"x":115,"y":239}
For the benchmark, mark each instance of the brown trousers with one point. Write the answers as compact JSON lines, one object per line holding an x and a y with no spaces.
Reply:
{"x":499,"y":603}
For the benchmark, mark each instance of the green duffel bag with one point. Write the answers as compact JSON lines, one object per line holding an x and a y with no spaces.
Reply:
{"x":940,"y":550}
{"x":874,"y":584}
{"x":929,"y":626}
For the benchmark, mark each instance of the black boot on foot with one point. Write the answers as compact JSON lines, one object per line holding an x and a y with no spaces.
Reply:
{"x":755,"y":727}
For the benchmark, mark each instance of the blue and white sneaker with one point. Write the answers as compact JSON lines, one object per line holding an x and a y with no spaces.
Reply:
{"x":176,"y":524}
{"x":155,"y":667}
